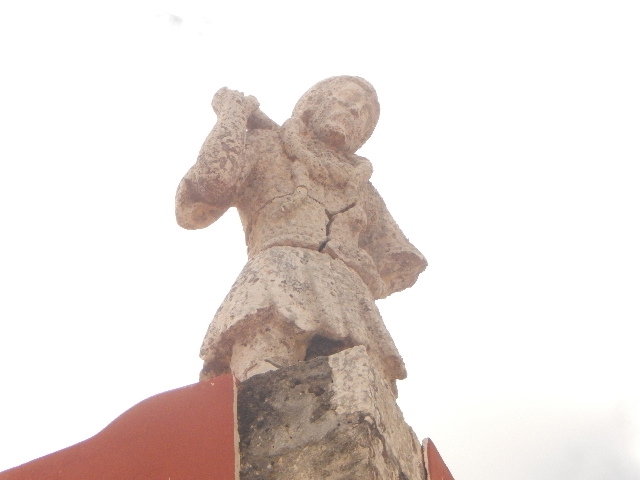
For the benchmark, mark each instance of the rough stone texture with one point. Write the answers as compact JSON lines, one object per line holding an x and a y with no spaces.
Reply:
{"x":322,"y":245}
{"x":327,"y":418}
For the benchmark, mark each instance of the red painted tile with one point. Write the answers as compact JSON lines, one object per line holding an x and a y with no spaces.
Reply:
{"x":184,"y":434}
{"x":436,"y":468}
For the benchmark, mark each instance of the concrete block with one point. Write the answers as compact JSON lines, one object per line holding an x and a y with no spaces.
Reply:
{"x":327,"y":418}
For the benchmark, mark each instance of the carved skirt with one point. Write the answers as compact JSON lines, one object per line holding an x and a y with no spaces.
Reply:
{"x":316,"y":295}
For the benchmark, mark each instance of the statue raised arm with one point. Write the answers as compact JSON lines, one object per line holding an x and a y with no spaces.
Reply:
{"x":209,"y":187}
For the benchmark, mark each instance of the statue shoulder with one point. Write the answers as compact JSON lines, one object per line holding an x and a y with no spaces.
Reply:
{"x":260,"y":143}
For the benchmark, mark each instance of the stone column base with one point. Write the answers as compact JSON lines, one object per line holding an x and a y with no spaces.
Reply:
{"x":328,"y":418}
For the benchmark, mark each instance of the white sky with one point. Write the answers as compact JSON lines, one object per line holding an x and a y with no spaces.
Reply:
{"x":507,"y":151}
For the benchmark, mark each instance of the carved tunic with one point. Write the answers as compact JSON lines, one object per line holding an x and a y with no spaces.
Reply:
{"x":321,"y":245}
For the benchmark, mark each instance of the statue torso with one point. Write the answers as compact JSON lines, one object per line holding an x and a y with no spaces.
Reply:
{"x":285,"y":202}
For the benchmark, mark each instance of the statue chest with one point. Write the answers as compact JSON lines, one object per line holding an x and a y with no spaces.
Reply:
{"x":285,"y":204}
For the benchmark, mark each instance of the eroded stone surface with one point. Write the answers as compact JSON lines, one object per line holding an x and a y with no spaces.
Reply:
{"x":322,"y":246}
{"x":327,"y":418}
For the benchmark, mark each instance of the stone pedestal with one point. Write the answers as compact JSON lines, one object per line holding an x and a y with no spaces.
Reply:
{"x":328,"y":418}
{"x":324,"y":419}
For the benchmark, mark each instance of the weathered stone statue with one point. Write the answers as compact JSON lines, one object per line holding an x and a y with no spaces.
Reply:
{"x":321,"y":244}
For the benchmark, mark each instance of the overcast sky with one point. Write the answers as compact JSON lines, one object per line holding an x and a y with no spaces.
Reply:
{"x":507,"y":151}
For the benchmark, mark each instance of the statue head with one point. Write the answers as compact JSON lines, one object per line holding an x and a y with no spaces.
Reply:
{"x":341,"y":111}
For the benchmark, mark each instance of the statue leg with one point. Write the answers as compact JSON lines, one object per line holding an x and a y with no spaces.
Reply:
{"x":271,"y":346}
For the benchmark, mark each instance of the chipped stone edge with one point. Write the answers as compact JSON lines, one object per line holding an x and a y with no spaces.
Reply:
{"x":357,"y":387}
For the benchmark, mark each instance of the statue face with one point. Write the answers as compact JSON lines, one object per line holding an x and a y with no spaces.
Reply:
{"x":344,"y":118}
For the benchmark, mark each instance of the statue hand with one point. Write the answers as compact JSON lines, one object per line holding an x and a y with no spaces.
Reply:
{"x":231,"y":101}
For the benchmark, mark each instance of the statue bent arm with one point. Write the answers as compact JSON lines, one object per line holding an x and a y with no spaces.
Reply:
{"x":398,"y":262}
{"x":209,"y":187}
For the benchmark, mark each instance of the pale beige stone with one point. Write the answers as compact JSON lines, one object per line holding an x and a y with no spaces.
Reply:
{"x":322,"y":246}
{"x":358,"y":387}
{"x":328,"y":418}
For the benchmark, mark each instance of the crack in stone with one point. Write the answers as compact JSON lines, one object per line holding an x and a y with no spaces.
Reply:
{"x":332,"y":216}
{"x":264,"y":205}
